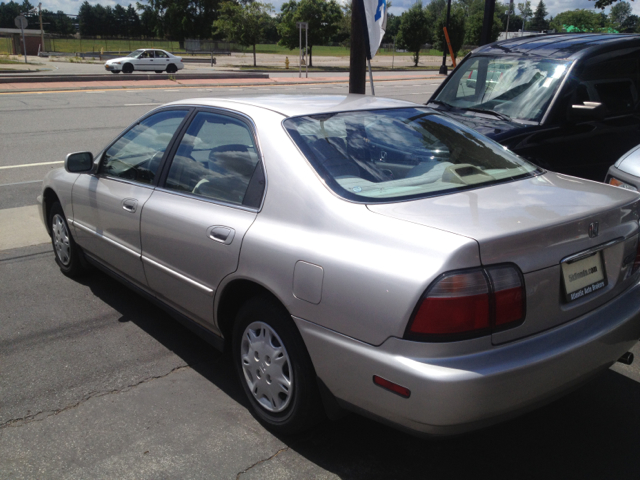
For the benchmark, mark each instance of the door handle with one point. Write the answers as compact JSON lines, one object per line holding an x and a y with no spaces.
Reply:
{"x":221,"y":234}
{"x":130,"y":205}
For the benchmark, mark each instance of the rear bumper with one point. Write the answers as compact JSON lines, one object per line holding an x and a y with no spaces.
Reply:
{"x":463,"y":392}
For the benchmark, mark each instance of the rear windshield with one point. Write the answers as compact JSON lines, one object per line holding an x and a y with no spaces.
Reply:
{"x":400,"y":154}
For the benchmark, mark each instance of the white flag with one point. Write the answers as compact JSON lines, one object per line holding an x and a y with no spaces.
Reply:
{"x":375,"y":13}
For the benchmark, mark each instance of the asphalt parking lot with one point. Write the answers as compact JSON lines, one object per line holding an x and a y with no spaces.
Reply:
{"x":96,"y":382}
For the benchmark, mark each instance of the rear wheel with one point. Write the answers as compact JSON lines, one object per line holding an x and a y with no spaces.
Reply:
{"x":171,"y":68}
{"x":68,"y":254}
{"x":274,"y":367}
{"x":127,"y":68}
{"x":158,"y":71}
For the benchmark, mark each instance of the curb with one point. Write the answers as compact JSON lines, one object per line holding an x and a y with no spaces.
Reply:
{"x":131,"y":77}
{"x":272,"y":82}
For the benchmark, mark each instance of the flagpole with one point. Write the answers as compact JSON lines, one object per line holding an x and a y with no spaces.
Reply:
{"x":373,"y":90}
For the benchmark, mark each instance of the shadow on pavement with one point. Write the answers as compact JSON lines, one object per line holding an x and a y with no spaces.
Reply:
{"x":593,"y":433}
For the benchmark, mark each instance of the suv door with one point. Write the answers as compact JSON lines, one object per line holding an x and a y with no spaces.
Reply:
{"x":193,"y":225}
{"x":107,"y":206}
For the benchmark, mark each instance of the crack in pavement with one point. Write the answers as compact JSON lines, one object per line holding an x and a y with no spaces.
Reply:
{"x":40,"y":416}
{"x":261,"y":461}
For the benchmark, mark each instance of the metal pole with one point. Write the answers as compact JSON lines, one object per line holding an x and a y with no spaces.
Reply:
{"x":393,"y":55}
{"x":443,"y":67}
{"x":306,"y":51}
{"x":41,"y":30}
{"x":300,"y":51}
{"x":373,"y":90}
{"x":24,"y":45}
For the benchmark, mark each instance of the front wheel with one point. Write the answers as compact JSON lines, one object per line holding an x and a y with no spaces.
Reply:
{"x":274,"y":367}
{"x":171,"y":68}
{"x":158,"y":71}
{"x":68,"y":255}
{"x":127,"y":68}
{"x":115,"y":71}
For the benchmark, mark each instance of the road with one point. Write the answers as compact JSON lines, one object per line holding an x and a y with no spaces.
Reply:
{"x":96,"y":382}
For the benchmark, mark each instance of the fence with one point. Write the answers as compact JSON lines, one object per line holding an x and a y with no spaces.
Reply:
{"x":123,"y":45}
{"x":196,"y":45}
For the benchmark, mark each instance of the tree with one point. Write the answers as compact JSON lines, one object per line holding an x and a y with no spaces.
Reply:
{"x":393,"y":27}
{"x":456,"y":29}
{"x":619,"y":14}
{"x":604,"y":3}
{"x":538,"y":23}
{"x":244,"y":24}
{"x":515,"y":21}
{"x":473,"y":30}
{"x":414,"y":31}
{"x":578,"y":20}
{"x":323,"y":17}
{"x":525,"y":12}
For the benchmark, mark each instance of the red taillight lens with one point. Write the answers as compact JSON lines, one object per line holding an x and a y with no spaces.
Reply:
{"x":508,"y":295}
{"x":470,"y":304}
{"x":457,"y":303}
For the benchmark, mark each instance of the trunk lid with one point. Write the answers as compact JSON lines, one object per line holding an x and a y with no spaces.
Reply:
{"x":536,"y":223}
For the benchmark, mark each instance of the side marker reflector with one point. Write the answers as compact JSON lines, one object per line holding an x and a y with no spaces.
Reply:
{"x":392,"y":387}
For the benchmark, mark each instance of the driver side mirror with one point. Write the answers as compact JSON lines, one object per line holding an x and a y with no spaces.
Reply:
{"x":79,"y":162}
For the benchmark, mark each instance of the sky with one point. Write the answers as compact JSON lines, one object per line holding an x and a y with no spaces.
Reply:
{"x":398,"y":6}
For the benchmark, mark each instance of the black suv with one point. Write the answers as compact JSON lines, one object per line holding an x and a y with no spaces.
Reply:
{"x":566,"y":102}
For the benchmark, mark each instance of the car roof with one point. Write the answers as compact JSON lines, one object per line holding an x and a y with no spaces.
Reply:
{"x":294,"y":105}
{"x":567,"y":46}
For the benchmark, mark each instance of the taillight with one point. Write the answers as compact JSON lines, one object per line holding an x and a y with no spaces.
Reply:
{"x":469,"y":304}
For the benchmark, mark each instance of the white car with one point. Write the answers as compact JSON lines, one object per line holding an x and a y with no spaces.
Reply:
{"x":145,"y":59}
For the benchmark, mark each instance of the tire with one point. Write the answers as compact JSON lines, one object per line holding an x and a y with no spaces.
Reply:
{"x":159,"y":71}
{"x":69,"y":256}
{"x":274,"y":367}
{"x":115,"y":71}
{"x":171,"y":68}
{"x":127,"y":68}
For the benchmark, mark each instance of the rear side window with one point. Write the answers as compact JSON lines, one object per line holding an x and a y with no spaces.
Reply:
{"x":216,"y":159}
{"x":613,"y":80}
{"x":399,"y":154}
{"x":137,"y":154}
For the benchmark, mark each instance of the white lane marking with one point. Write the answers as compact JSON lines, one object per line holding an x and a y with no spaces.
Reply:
{"x":140,"y":104}
{"x":21,"y":227}
{"x":19,"y":183}
{"x":176,"y":90}
{"x":29,"y":165}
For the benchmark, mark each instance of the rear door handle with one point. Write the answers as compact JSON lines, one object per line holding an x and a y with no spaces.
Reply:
{"x":221,"y":234}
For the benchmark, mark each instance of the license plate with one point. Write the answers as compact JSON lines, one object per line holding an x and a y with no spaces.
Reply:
{"x":583,"y":277}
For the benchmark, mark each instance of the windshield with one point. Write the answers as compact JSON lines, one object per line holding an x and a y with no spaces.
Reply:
{"x":134,"y":54}
{"x":518,"y":87}
{"x":399,"y":154}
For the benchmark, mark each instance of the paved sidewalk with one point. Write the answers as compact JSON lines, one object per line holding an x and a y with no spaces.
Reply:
{"x":273,"y":80}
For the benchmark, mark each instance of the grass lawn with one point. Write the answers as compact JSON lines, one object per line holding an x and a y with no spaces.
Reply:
{"x":6,"y":60}
{"x":73,"y":45}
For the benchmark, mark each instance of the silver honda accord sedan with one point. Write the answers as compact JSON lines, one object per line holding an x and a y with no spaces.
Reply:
{"x":359,"y":253}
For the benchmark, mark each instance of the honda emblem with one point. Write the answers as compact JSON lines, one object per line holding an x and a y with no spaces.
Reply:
{"x":593,"y":229}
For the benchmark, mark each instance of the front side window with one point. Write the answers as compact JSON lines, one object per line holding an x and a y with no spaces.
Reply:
{"x":518,"y":87}
{"x":216,"y":159}
{"x":137,"y":154}
{"x":400,"y":154}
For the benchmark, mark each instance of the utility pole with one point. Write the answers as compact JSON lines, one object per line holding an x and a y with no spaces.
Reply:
{"x":358,"y":59}
{"x":508,"y":12}
{"x":487,"y":23}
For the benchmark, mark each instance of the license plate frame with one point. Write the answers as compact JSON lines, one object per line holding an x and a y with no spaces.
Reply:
{"x":583,"y":277}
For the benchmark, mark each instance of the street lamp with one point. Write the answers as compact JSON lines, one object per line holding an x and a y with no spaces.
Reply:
{"x":443,"y":67}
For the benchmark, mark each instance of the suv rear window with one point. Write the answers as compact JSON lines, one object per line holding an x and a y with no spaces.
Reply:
{"x":399,"y":154}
